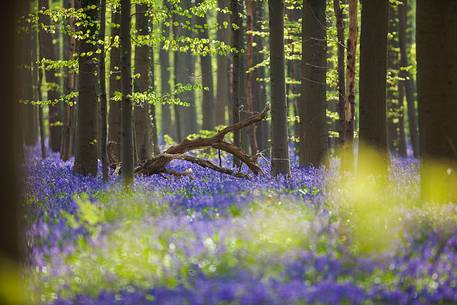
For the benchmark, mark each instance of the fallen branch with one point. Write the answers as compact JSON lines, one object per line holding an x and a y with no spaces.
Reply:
{"x":158,"y":163}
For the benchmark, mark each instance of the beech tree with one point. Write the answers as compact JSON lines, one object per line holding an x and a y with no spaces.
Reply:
{"x":223,"y":64}
{"x":280,"y":163}
{"x":114,"y":116}
{"x":206,"y":68}
{"x":143,"y":123}
{"x":312,"y":108}
{"x":12,"y":242}
{"x":86,"y":154}
{"x":103,"y":97}
{"x":373,"y":69}
{"x":68,"y":116}
{"x":236,"y":68}
{"x":407,"y":81}
{"x":126,"y":88}
{"x":348,"y":126}
{"x":47,"y":51}
{"x":437,"y":93}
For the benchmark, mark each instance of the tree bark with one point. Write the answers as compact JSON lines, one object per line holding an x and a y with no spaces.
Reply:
{"x":47,"y":51}
{"x":392,"y":88}
{"x":178,"y":60}
{"x":114,"y":116}
{"x":437,"y":96}
{"x":126,"y":88}
{"x":236,"y":69}
{"x":373,"y":68}
{"x":347,"y":161}
{"x":143,"y":123}
{"x":37,"y":82}
{"x":66,"y":147}
{"x":206,"y":68}
{"x":12,"y":241}
{"x":250,"y":74}
{"x":408,"y":80}
{"x":341,"y":68}
{"x":165,"y":76}
{"x":30,"y":113}
{"x":223,"y":65}
{"x":188,"y":114}
{"x":259,"y":90}
{"x":313,"y":131}
{"x":103,"y":98}
{"x":86,"y":145}
{"x":280,"y":163}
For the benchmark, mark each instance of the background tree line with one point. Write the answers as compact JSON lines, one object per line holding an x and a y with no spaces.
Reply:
{"x":126,"y":75}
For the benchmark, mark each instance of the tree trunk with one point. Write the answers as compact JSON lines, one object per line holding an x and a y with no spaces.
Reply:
{"x":47,"y":52}
{"x":280,"y":163}
{"x":402,"y":152}
{"x":66,"y":147}
{"x":188,"y":114}
{"x":236,"y":69}
{"x":103,"y":99}
{"x":12,"y":241}
{"x":30,"y":113}
{"x":293,"y":68}
{"x":178,"y":60}
{"x":168,"y":128}
{"x":408,"y":80}
{"x":437,"y":96}
{"x":341,"y":68}
{"x":143,"y":124}
{"x":114,"y":116}
{"x":86,"y":145}
{"x":347,"y":161}
{"x":208,"y":107}
{"x":392,"y":88}
{"x":259,"y":90}
{"x":126,"y":87}
{"x":38,"y":81}
{"x":152,"y":107}
{"x":313,"y":131}
{"x":373,"y":69}
{"x":223,"y":65}
{"x":250,"y":75}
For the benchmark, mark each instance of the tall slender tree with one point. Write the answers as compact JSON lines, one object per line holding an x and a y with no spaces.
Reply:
{"x":312,"y":108}
{"x":47,"y":51}
{"x":407,"y":79}
{"x":437,"y":96}
{"x":86,"y":160}
{"x":373,"y":68}
{"x":250,"y":73}
{"x":236,"y":68}
{"x":280,"y":163}
{"x":187,"y":66}
{"x":167,"y":127}
{"x":339,"y":15}
{"x":68,"y":124}
{"x":206,"y":68}
{"x":143,"y":124}
{"x":114,"y":116}
{"x":349,"y":102}
{"x":30,"y":113}
{"x":259,"y":87}
{"x":12,"y":241}
{"x":102,"y":86}
{"x":223,"y":65}
{"x":126,"y":88}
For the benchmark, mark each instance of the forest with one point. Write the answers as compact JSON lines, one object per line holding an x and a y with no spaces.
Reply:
{"x":228,"y":152}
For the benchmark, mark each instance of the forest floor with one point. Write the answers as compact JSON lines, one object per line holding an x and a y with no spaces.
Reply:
{"x":212,"y":239}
